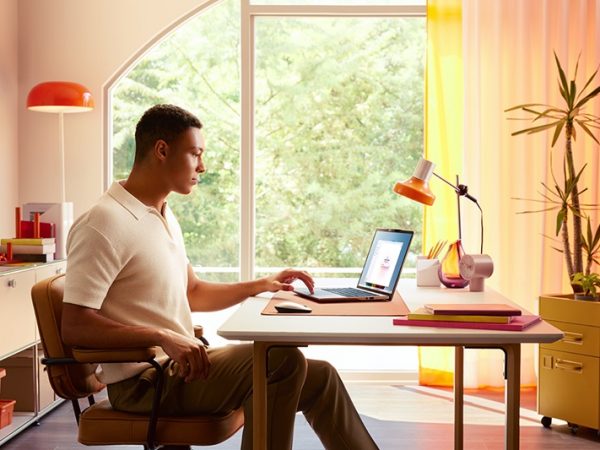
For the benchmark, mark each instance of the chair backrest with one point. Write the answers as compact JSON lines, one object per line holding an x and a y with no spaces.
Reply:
{"x":69,"y":381}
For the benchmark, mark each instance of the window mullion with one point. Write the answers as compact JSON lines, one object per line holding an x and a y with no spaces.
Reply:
{"x":247,"y":215}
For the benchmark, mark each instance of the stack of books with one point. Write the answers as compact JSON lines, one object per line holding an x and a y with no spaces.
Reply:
{"x":30,"y":249}
{"x":475,"y":315}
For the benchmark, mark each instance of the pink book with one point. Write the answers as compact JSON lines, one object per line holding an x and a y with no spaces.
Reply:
{"x":474,"y":309}
{"x":516,"y":324}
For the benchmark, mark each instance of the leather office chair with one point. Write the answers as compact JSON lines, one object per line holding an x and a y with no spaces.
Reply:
{"x":72,"y":376}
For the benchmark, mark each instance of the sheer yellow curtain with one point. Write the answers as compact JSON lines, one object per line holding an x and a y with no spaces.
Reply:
{"x":506,"y":59}
{"x":444,"y":100}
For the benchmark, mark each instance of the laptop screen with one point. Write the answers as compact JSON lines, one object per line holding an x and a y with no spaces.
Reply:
{"x":382,"y":268}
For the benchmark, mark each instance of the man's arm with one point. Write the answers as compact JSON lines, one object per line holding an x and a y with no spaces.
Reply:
{"x":86,"y":327}
{"x":206,"y":296}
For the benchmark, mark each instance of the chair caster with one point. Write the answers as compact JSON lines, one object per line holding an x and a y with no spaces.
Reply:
{"x":546,"y":421}
{"x":573,"y":427}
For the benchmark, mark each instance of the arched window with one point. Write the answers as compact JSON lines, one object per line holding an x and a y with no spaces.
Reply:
{"x":311,"y":112}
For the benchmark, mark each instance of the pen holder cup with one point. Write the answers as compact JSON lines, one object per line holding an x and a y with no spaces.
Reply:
{"x":427,"y":272}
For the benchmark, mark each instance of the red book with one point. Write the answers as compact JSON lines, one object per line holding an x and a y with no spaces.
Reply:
{"x":516,"y":324}
{"x":473,"y":309}
{"x":47,"y":230}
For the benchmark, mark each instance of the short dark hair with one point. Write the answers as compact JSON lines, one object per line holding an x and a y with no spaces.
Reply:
{"x":164,"y":122}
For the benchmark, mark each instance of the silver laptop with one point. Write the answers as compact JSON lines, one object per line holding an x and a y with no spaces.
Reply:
{"x":380,"y":273}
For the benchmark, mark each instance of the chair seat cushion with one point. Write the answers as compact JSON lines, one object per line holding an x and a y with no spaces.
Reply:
{"x":102,"y":425}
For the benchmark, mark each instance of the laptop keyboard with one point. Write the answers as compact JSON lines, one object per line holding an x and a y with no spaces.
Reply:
{"x":346,"y":292}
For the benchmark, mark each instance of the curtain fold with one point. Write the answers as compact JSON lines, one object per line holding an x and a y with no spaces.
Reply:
{"x":507,"y":59}
{"x":444,"y":98}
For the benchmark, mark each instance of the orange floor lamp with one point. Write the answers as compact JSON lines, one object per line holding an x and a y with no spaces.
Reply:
{"x":59,"y":97}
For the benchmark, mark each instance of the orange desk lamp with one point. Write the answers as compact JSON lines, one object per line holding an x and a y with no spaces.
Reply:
{"x":452,"y":272}
{"x":417,"y":188}
{"x":60,"y":97}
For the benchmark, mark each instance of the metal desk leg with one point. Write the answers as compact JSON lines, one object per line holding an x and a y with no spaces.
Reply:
{"x":512,"y":394}
{"x":259,"y":396}
{"x":458,"y":396}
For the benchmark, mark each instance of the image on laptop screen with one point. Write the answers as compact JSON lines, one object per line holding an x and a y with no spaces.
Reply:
{"x":385,"y":259}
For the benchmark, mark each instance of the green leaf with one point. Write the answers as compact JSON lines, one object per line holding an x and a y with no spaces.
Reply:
{"x":532,"y":211}
{"x":588,"y":97}
{"x":563,"y":78}
{"x":560,"y":217}
{"x":559,"y":128}
{"x":572,"y":92}
{"x":538,"y":128}
{"x":525,"y":105}
{"x":596,"y":239}
{"x":587,"y":130}
{"x":588,"y":82}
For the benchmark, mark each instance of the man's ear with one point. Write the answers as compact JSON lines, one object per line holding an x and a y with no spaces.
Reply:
{"x":161,"y":149}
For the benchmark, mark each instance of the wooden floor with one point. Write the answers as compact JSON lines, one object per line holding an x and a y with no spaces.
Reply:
{"x":398,"y":416}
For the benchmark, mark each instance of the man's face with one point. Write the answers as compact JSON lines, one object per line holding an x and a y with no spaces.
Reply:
{"x":184,"y":161}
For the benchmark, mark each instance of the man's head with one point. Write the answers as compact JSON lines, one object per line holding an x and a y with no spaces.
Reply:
{"x":169,"y":149}
{"x":161,"y":122}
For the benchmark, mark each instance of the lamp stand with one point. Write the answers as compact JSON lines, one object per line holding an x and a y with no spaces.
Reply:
{"x":61,"y":149}
{"x":458,"y":207}
{"x":463,"y":191}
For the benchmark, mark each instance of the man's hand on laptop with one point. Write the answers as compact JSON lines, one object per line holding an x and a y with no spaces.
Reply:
{"x":283,"y":280}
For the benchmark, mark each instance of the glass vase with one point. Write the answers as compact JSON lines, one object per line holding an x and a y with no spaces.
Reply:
{"x":449,"y":271}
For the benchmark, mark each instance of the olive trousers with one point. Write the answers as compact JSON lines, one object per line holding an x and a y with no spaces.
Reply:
{"x":293,"y":384}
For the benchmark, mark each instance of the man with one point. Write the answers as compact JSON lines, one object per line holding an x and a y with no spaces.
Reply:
{"x":130,"y":284}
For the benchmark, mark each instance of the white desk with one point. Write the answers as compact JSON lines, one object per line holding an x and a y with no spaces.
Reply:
{"x":247,"y":324}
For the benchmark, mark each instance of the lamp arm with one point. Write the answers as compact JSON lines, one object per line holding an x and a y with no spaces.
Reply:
{"x":462,"y":191}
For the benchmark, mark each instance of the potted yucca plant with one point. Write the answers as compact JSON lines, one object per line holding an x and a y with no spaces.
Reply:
{"x":567,"y":369}
{"x":580,"y":245}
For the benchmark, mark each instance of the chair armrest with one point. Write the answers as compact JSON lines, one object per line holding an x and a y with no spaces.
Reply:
{"x":113,"y":355}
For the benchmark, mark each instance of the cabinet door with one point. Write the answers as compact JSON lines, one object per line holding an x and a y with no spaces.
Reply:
{"x":18,"y":328}
{"x":49,"y":270}
{"x":569,"y":388}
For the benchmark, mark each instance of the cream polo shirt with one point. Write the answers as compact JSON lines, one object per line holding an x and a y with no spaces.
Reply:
{"x":128,"y":261}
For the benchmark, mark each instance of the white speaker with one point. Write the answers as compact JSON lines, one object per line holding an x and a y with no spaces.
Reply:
{"x":476,"y":268}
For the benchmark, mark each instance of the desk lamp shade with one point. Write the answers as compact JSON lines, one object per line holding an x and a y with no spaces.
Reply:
{"x":417,"y":187}
{"x":60,"y":97}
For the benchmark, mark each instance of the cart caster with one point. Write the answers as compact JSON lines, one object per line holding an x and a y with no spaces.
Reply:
{"x":573,"y":427}
{"x":546,"y":421}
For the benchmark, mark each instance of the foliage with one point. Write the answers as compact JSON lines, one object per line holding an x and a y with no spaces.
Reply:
{"x":588,"y":283}
{"x":565,"y":197}
{"x":338,"y":118}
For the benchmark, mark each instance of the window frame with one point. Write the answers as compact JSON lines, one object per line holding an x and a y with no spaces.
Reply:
{"x":249,"y":13}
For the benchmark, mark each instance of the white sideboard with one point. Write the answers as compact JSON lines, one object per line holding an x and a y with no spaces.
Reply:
{"x":20,"y":349}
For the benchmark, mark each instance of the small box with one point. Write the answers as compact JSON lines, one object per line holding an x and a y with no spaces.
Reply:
{"x":6,"y":412}
{"x":427,"y":272}
{"x":19,"y":381}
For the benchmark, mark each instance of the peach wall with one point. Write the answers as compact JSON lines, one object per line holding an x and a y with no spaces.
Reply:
{"x":84,"y":41}
{"x":9,"y":148}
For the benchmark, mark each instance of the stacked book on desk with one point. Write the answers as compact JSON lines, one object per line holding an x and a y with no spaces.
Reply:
{"x":480,"y":315}
{"x":30,"y":249}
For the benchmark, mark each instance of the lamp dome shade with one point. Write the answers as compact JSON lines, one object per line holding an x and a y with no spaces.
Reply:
{"x":60,"y":96}
{"x":415,"y":189}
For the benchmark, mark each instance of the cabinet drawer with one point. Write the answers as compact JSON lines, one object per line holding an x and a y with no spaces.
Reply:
{"x":581,"y":339}
{"x":567,"y":376}
{"x":50,"y":270}
{"x":18,"y":328}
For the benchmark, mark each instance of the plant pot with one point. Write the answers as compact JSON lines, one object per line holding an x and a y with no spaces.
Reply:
{"x":589,"y":298}
{"x":569,"y":369}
